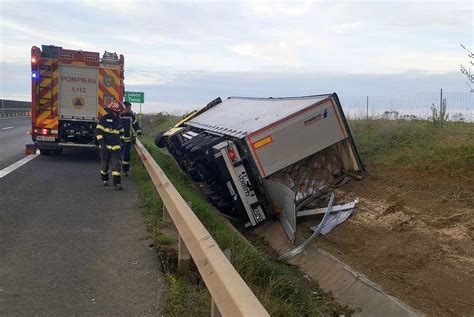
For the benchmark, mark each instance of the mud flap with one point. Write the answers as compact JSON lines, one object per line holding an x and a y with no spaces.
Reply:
{"x":30,"y":148}
{"x":283,"y":201}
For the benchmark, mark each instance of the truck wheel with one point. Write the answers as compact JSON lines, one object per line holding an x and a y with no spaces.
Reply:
{"x":45,"y":152}
{"x":160,"y":140}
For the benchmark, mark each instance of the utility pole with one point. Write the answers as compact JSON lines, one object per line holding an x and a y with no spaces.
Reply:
{"x":367,"y":107}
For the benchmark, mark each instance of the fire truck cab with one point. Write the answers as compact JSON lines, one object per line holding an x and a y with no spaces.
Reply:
{"x":69,"y":90}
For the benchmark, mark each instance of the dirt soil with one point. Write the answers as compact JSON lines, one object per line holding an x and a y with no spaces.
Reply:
{"x":413,"y":235}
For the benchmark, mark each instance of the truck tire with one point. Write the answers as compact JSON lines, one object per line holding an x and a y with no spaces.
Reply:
{"x":160,"y":140}
{"x":45,"y":152}
{"x":194,"y":174}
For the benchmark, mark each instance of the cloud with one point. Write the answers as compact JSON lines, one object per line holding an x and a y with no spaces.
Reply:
{"x":198,"y":87}
{"x":187,"y":50}
{"x":269,"y":53}
{"x":148,"y":77}
{"x":285,"y":51}
{"x":280,"y":9}
{"x":152,"y":39}
{"x":345,"y":27}
{"x":33,"y":32}
{"x":121,"y":6}
{"x":427,"y":62}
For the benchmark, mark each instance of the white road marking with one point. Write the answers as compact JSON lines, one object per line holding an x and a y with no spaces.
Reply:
{"x":7,"y":170}
{"x":6,"y":128}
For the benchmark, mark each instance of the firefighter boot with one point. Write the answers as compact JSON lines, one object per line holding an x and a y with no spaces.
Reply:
{"x":117,"y":180}
{"x":125,"y":167}
{"x":105,"y":177}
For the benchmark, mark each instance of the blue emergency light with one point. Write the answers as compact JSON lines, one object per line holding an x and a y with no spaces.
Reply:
{"x":34,"y":75}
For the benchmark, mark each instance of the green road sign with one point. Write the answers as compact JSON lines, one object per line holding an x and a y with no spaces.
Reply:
{"x":133,"y":96}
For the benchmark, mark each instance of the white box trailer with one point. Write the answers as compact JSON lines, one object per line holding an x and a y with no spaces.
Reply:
{"x":269,"y":154}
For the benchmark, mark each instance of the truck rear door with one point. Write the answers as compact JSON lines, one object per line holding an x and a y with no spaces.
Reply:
{"x":78,"y":89}
{"x":296,"y":137}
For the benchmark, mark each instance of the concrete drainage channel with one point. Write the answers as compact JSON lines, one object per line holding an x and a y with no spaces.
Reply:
{"x":334,"y":276}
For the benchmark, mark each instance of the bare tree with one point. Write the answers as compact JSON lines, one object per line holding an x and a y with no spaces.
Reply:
{"x":467,"y":70}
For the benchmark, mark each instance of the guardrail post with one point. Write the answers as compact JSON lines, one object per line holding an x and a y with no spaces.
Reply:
{"x":184,"y":257}
{"x":214,"y":310}
{"x":166,"y":215}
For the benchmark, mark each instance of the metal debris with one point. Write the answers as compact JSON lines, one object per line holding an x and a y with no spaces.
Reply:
{"x":318,"y":211}
{"x":334,"y":219}
{"x":302,"y":246}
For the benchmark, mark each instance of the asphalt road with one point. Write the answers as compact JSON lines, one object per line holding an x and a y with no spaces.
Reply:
{"x":13,"y":137}
{"x":69,"y":246}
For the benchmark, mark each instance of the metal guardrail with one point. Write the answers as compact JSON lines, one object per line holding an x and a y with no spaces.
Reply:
{"x":14,"y":112}
{"x":229,"y":292}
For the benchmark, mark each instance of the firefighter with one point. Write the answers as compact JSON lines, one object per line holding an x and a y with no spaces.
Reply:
{"x":131,"y":127}
{"x":109,"y":134}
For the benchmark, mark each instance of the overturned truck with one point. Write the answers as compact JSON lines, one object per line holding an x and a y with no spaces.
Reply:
{"x":264,"y":158}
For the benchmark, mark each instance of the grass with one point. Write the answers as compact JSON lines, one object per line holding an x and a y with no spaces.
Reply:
{"x":154,"y":124}
{"x":389,"y":145}
{"x":184,"y":299}
{"x":417,"y":146}
{"x":282,"y":289}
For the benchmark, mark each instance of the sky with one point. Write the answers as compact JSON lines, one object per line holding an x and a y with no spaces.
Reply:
{"x":183,"y":54}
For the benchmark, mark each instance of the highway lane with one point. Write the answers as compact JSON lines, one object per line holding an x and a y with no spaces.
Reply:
{"x":69,"y":246}
{"x":13,"y":137}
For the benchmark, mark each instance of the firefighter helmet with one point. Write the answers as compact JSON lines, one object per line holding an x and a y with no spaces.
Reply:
{"x":116,"y":106}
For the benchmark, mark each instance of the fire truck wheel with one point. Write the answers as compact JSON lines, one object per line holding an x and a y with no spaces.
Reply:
{"x":45,"y":152}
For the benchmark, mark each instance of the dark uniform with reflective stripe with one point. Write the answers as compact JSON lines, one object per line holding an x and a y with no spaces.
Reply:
{"x":130,"y":124}
{"x":109,"y":133}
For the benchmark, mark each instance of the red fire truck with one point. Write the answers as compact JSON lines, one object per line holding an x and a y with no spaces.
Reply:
{"x":69,"y":89}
